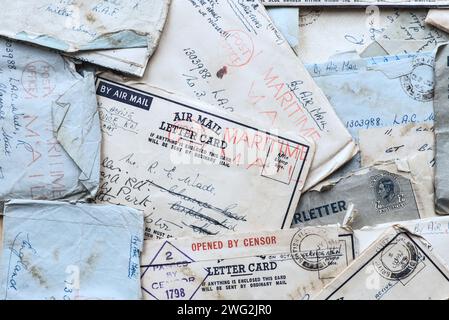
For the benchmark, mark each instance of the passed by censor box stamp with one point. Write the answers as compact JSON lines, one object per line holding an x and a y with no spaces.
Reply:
{"x":280,"y":164}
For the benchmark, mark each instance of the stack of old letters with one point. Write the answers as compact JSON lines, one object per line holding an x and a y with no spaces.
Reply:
{"x":224,"y":149}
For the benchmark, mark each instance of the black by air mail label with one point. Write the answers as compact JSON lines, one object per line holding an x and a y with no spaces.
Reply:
{"x":124,"y":95}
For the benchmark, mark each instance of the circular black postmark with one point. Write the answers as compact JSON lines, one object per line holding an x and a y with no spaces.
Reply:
{"x":387,"y":192}
{"x":419,"y":84}
{"x":398,"y":260}
{"x":308,"y":16}
{"x":313,"y":251}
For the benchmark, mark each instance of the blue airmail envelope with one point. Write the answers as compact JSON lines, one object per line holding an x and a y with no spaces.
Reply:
{"x":404,"y":142}
{"x":290,"y":264}
{"x":85,"y":24}
{"x":287,"y":21}
{"x":356,"y":88}
{"x":49,"y":126}
{"x":378,"y":92}
{"x":65,"y":251}
{"x":120,"y":35}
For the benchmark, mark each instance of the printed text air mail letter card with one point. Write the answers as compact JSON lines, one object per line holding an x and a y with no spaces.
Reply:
{"x":193,"y":170}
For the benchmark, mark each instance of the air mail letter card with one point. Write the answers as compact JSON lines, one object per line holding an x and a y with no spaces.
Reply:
{"x":192,"y":170}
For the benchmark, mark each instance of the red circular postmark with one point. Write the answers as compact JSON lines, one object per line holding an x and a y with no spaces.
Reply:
{"x":239,"y":48}
{"x":37,"y":79}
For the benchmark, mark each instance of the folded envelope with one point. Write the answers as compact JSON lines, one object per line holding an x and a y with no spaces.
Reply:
{"x":192,"y":169}
{"x":232,"y":56}
{"x":398,"y":266}
{"x":433,"y":230}
{"x":439,"y":19}
{"x":134,"y":61}
{"x":382,"y":193}
{"x":64,"y":251}
{"x":370,"y":32}
{"x":323,"y":32}
{"x":356,"y":89}
{"x":442,"y":131}
{"x":407,"y":33}
{"x":289,"y":264}
{"x":49,"y":126}
{"x":131,"y":61}
{"x":85,"y":24}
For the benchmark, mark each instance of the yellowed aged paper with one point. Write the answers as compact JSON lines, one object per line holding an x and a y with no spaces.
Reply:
{"x":194,"y":170}
{"x":398,"y":266}
{"x":290,"y":265}
{"x":439,"y":18}
{"x":133,"y":61}
{"x":44,"y":151}
{"x":324,"y":32}
{"x":399,"y":142}
{"x":231,"y":55}
{"x":415,"y":142}
{"x":369,"y":32}
{"x":408,"y":33}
